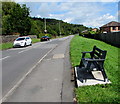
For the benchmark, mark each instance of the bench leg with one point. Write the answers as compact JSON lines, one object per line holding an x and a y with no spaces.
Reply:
{"x":104,"y":75}
{"x":81,"y":64}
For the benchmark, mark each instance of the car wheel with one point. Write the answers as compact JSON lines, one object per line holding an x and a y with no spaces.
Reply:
{"x":31,"y":44}
{"x":25,"y":45}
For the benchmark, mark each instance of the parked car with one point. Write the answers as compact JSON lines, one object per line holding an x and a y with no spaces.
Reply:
{"x":45,"y":38}
{"x":22,"y":41}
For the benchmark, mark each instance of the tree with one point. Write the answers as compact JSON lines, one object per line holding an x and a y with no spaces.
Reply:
{"x":15,"y":18}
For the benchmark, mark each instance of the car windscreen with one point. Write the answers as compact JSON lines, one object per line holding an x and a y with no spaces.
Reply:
{"x":20,"y":39}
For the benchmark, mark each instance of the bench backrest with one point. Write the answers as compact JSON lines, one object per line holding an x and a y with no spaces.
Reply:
{"x":98,"y":53}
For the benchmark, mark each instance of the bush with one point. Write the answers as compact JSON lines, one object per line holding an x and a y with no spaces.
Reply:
{"x":49,"y":35}
{"x":40,"y":35}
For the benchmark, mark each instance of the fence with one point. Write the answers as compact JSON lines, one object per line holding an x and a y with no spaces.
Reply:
{"x":111,"y":38}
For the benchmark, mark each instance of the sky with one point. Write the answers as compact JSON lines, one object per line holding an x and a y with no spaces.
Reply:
{"x":90,"y":13}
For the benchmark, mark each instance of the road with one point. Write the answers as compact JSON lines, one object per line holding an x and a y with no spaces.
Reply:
{"x":17,"y":63}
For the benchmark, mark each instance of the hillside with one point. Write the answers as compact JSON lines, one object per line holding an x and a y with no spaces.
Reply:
{"x":54,"y":27}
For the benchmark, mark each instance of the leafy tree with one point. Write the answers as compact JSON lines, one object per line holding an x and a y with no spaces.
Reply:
{"x":15,"y":18}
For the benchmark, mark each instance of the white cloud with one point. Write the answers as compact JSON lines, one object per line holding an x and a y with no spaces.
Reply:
{"x":81,"y":13}
{"x":38,"y":16}
{"x":106,"y":17}
{"x":68,"y":20}
{"x":56,"y":16}
{"x":97,"y":22}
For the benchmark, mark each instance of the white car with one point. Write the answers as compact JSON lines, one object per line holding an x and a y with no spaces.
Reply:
{"x":22,"y":41}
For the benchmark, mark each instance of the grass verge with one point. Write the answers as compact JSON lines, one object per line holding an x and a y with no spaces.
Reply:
{"x":4,"y":46}
{"x":35,"y":40}
{"x":97,"y":93}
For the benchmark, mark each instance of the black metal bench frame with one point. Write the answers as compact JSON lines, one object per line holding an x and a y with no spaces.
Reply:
{"x":95,"y":62}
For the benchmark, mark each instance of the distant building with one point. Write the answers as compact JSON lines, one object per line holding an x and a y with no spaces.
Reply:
{"x":95,"y":29}
{"x":84,"y":31}
{"x":110,"y":27}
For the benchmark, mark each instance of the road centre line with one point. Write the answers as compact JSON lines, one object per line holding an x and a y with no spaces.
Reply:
{"x":4,"y":57}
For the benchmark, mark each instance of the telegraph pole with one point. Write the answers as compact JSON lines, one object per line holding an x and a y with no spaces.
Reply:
{"x":45,"y":25}
{"x":59,"y":29}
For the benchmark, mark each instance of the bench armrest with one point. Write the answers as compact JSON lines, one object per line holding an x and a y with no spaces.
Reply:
{"x":83,"y":53}
{"x":95,"y":60}
{"x":87,"y":52}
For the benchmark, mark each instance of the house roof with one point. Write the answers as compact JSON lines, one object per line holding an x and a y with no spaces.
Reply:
{"x":113,"y":23}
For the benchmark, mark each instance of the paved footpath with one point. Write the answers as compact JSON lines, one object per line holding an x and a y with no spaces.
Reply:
{"x":50,"y":81}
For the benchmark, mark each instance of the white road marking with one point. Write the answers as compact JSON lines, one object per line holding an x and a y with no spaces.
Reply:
{"x":23,"y":51}
{"x":29,"y":48}
{"x":4,"y":58}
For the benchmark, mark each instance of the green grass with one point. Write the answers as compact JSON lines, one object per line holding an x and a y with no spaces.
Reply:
{"x":97,"y":93}
{"x":4,"y":46}
{"x":35,"y":40}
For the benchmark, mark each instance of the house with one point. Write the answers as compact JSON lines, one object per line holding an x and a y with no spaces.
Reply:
{"x":94,"y":29}
{"x":110,"y":27}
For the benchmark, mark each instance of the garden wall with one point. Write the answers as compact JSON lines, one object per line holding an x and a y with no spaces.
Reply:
{"x":11,"y":38}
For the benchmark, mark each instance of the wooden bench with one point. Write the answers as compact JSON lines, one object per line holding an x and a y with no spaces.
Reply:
{"x":95,"y":61}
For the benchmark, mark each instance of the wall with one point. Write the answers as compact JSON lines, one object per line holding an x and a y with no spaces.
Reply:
{"x":11,"y":38}
{"x":111,"y":38}
{"x":8,"y":38}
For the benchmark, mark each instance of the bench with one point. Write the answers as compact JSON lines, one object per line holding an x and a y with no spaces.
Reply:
{"x":95,"y":61}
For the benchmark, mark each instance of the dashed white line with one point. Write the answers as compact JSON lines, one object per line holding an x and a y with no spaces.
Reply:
{"x":29,"y":49}
{"x":4,"y":58}
{"x":23,"y":51}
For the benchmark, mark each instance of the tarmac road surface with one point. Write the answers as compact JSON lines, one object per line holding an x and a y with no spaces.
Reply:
{"x":44,"y":70}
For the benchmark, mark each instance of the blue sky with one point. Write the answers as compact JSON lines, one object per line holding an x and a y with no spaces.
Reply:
{"x":91,"y":13}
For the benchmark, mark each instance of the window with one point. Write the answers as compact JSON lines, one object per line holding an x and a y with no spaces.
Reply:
{"x":27,"y":38}
{"x":19,"y":39}
{"x":119,"y":28}
{"x":114,"y":28}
